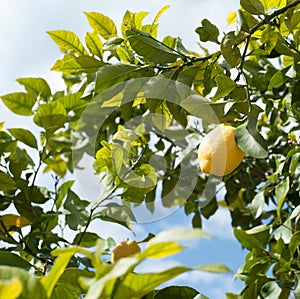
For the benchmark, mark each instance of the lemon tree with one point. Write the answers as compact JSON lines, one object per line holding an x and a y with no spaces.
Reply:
{"x":162,"y":125}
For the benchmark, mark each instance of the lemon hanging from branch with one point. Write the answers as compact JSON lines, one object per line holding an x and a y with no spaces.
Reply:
{"x":124,"y":249}
{"x":218,"y":152}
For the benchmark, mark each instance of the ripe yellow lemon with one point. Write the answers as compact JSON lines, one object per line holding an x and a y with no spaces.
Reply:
{"x":124,"y":249}
{"x":218,"y":152}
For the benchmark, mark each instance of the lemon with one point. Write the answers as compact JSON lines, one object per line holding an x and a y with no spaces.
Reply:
{"x":218,"y":152}
{"x":124,"y":249}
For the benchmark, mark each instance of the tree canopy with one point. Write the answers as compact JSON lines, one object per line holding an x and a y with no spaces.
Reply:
{"x":138,"y":107}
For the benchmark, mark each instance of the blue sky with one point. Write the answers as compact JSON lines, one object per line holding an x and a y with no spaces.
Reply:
{"x":27,"y":51}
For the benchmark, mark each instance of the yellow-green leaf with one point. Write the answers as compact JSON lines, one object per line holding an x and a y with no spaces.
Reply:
{"x":68,"y":41}
{"x":19,"y":102}
{"x":102,"y":24}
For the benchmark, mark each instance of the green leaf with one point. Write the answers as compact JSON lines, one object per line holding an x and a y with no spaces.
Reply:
{"x":37,"y":87}
{"x":254,"y":7}
{"x":225,"y":86}
{"x":68,"y":41}
{"x":281,"y":191}
{"x":270,"y":290}
{"x":249,"y":139}
{"x":230,"y":50}
{"x":257,"y":205}
{"x":49,"y":281}
{"x":151,"y":49}
{"x":101,"y":24}
{"x":68,"y":285}
{"x":94,"y":44}
{"x":162,"y":117}
{"x":24,"y":136}
{"x":160,"y":13}
{"x":208,"y":31}
{"x":214,"y":268}
{"x":7,"y":184}
{"x":87,"y":239}
{"x":181,"y":292}
{"x":277,"y":80}
{"x":13,"y":260}
{"x":81,"y":64}
{"x":110,"y":75}
{"x":198,"y":106}
{"x":247,"y":240}
{"x":137,"y":285}
{"x":19,"y":102}
{"x":78,"y":215}
{"x":52,"y":115}
{"x":30,"y":283}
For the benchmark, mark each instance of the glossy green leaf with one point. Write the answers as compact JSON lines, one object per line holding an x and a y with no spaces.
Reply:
{"x":250,"y":140}
{"x":37,"y":87}
{"x":225,"y":86}
{"x":254,"y":7}
{"x":24,"y":136}
{"x":247,"y":240}
{"x":52,"y":115}
{"x":19,"y":103}
{"x":94,"y":44}
{"x":208,"y":31}
{"x":6,"y":182}
{"x":101,"y":24}
{"x":68,"y":41}
{"x":182,"y":292}
{"x":111,"y":75}
{"x":30,"y":283}
{"x":151,"y":49}
{"x":198,"y":106}
{"x":281,"y":191}
{"x":13,"y":260}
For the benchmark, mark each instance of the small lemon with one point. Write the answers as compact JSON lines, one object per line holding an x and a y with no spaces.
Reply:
{"x":124,"y":249}
{"x":218,"y":152}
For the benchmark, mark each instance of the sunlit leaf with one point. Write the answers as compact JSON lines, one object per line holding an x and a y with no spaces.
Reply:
{"x":68,"y":41}
{"x":24,"y":136}
{"x":6,"y":182}
{"x":101,"y":24}
{"x":94,"y":44}
{"x":37,"y":87}
{"x":19,"y":103}
{"x":11,"y":289}
{"x":225,"y":86}
{"x":9,"y":220}
{"x":281,"y":191}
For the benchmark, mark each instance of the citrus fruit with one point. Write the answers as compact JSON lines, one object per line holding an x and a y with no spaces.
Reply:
{"x":124,"y":249}
{"x":218,"y":152}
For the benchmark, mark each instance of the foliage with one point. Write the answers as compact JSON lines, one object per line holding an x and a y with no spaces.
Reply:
{"x":131,"y":102}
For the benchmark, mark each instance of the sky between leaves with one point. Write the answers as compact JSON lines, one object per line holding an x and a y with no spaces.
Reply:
{"x":27,"y":51}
